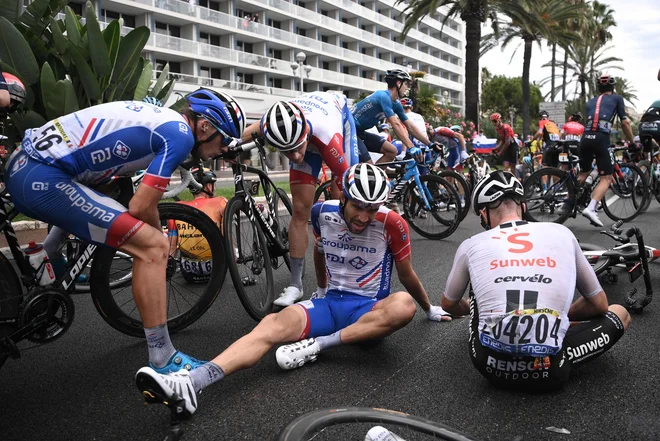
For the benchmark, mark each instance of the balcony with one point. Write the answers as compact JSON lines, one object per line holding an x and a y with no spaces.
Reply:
{"x":224,"y":84}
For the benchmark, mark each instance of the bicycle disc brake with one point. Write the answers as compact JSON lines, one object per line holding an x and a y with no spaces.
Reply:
{"x":53,"y":310}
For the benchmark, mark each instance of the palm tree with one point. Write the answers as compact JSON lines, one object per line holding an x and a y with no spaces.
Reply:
{"x":601,"y":20}
{"x":586,"y":60}
{"x":473,"y":13}
{"x":626,"y":90}
{"x":529,"y":22}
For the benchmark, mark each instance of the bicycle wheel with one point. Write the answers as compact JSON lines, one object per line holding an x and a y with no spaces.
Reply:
{"x":546,"y":190}
{"x":303,"y":427}
{"x":186,"y":302}
{"x":594,"y":255}
{"x":645,"y":167}
{"x":250,"y":268}
{"x":323,"y":192}
{"x":626,"y":197}
{"x":11,"y":298}
{"x":119,"y":277}
{"x":282,"y":218}
{"x":443,"y":218}
{"x":462,"y":188}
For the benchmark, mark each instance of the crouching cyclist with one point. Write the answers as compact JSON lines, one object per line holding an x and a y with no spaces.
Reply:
{"x":358,"y":305}
{"x":526,"y":332}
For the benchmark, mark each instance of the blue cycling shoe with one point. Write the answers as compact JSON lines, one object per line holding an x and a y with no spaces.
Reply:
{"x":177,"y":362}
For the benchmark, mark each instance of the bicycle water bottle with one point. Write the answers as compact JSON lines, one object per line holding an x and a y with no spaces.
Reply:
{"x":39,"y":261}
{"x":591,"y":177}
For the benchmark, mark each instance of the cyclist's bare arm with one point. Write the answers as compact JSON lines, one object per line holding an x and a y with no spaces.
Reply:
{"x":411,"y":282}
{"x":418,"y":134}
{"x":627,"y":130}
{"x":254,"y":128}
{"x":319,"y":265}
{"x":401,"y":131}
{"x":144,"y":205}
{"x":593,"y":301}
{"x":461,"y":141}
{"x":459,"y":277}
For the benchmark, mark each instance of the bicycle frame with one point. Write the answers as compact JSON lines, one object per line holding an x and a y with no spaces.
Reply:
{"x":411,"y":174}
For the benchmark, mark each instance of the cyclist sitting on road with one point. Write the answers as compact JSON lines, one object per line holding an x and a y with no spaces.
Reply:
{"x":75,"y":156}
{"x":526,"y":332}
{"x":357,"y":307}
{"x":649,"y":128}
{"x":196,"y":256}
{"x":384,"y":104}
{"x":313,"y":128}
{"x":506,"y":147}
{"x":601,"y":113}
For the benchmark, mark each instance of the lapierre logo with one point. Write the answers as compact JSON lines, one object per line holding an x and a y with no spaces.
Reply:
{"x":589,"y":348}
{"x":80,"y":264}
{"x":509,"y":263}
{"x":78,"y":200}
{"x":40,"y":186}
{"x":536,"y":278}
{"x":347,"y":246}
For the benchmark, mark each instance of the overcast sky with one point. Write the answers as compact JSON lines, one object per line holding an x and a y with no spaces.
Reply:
{"x":635,"y":41}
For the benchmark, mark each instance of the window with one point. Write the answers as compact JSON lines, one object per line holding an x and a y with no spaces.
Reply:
{"x":275,"y":82}
{"x":209,"y":4}
{"x":77,"y":7}
{"x":209,"y":72}
{"x":344,"y":70}
{"x":344,"y":20}
{"x":324,"y":12}
{"x":129,"y":20}
{"x":175,"y":67}
{"x":274,"y":23}
{"x":244,"y":78}
{"x":344,"y":45}
{"x":301,"y":31}
{"x":167,"y":29}
{"x":324,"y":38}
{"x":325,"y":65}
{"x":363,"y":50}
{"x":209,"y":39}
{"x":243,"y":46}
{"x":275,"y":53}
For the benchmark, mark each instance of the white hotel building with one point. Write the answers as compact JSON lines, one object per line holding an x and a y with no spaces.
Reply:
{"x":348,"y":45}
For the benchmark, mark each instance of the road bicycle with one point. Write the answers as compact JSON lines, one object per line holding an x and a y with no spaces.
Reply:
{"x":554,"y":195}
{"x":41,"y":314}
{"x":256,"y":234}
{"x":634,"y":256}
{"x":435,"y":160}
{"x":306,"y":426}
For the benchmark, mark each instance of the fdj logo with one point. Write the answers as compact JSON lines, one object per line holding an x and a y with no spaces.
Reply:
{"x":358,"y":262}
{"x":334,"y":258}
{"x":101,"y":155}
{"x":121,"y":150}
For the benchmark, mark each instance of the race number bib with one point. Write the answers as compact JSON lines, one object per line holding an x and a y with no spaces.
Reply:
{"x":196,"y":267}
{"x":525,"y":332}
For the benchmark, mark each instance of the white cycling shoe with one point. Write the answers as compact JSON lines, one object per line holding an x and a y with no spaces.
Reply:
{"x":290,"y":296}
{"x":592,"y":216}
{"x":173,"y":390}
{"x":297,"y":354}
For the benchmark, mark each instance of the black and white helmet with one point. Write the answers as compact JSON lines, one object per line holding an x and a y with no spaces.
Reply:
{"x":284,"y":126}
{"x":397,"y":75}
{"x":366,"y":183}
{"x":494,"y":187}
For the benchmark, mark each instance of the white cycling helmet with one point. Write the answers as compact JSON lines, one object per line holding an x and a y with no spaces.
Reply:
{"x":284,"y":126}
{"x":366,"y":183}
{"x":494,"y":187}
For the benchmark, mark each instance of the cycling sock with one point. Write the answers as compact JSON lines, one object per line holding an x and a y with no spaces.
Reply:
{"x":159,"y":344}
{"x":297,"y":265}
{"x":205,"y":375}
{"x":328,"y":341}
{"x":592,"y":205}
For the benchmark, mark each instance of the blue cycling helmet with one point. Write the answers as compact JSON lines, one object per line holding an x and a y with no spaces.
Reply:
{"x":406,"y":102}
{"x":220,"y":109}
{"x":527,"y":160}
{"x":152,"y":100}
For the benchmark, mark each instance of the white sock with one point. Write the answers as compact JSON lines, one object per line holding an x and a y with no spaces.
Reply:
{"x":592,"y":205}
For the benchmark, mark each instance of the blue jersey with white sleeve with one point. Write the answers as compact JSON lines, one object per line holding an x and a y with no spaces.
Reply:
{"x":376,"y":107}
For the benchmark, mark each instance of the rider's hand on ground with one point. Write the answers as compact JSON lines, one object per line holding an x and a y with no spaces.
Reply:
{"x":437,"y":314}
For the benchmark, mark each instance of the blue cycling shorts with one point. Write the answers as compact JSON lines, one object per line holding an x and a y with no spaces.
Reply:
{"x":334,"y":312}
{"x":49,"y":194}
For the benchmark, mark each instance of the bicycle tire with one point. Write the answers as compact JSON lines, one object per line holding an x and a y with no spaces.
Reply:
{"x":84,"y":288}
{"x":105,"y":301}
{"x":601,"y":263}
{"x":465,"y":209}
{"x":283,"y":230}
{"x":11,"y":298}
{"x":312,"y":422}
{"x":534,"y":185}
{"x":323,"y":190}
{"x":257,"y":310}
{"x":616,"y":186}
{"x":645,"y":167}
{"x":448,"y":197}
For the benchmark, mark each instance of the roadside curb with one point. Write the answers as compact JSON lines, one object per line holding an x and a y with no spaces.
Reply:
{"x":29,"y":225}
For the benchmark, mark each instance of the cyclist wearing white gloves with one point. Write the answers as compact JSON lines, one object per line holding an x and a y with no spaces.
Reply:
{"x":361,"y":239}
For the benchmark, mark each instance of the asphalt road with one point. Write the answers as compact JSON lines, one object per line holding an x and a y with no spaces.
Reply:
{"x":81,"y":386}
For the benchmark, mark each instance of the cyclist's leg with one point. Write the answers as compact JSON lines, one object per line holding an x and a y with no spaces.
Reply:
{"x":588,"y":340}
{"x":605,"y":165}
{"x":364,"y":155}
{"x":377,"y":144}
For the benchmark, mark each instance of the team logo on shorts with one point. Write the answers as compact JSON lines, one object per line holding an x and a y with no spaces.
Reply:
{"x":121,"y":150}
{"x":18,"y":165}
{"x":357,"y":262}
{"x":135,"y":107}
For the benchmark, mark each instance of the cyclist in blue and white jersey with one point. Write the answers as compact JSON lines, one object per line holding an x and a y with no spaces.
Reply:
{"x":526,"y":332}
{"x":64,"y":169}
{"x":601,"y":113}
{"x":384,"y":104}
{"x":360,"y":239}
{"x":311,"y":129}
